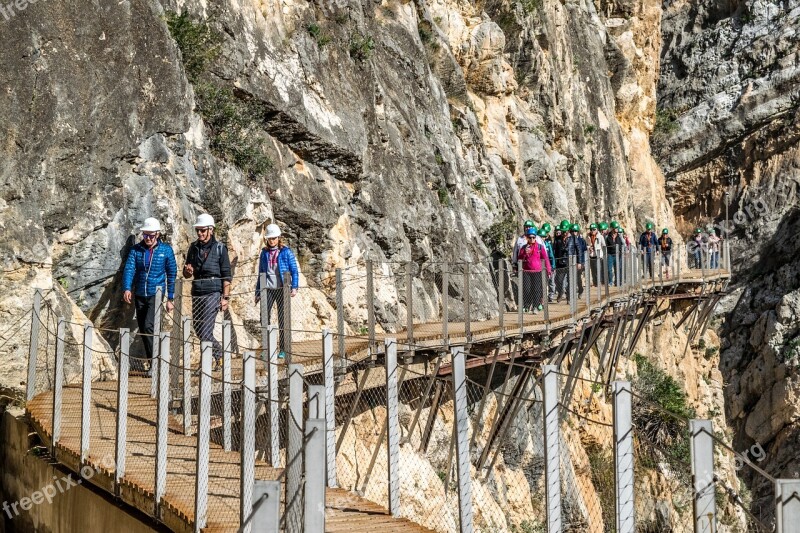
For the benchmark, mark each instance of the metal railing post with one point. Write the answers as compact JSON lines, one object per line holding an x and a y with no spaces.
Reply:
{"x":606,"y":273}
{"x":702,"y":450}
{"x":552,"y":453}
{"x":187,"y":376}
{"x":467,"y":305}
{"x":177,"y":347}
{"x":787,"y":505}
{"x":409,"y":305}
{"x":203,"y":438}
{"x":274,"y":407}
{"x":287,"y":317}
{"x":680,"y":256}
{"x":623,"y":457}
{"x":227,"y":406}
{"x":248,"y":439}
{"x":162,"y":423}
{"x":314,"y":465}
{"x":462,"y":440}
{"x":58,"y":381}
{"x":501,"y":294}
{"x":445,"y":304}
{"x":520,"y":297}
{"x":546,"y":300}
{"x":371,"y":308}
{"x":264,"y":311}
{"x":266,"y":512}
{"x":392,"y":426}
{"x":155,"y":361}
{"x":86,"y":391}
{"x":122,"y":408}
{"x":587,"y":286}
{"x":33,"y":347}
{"x":340,"y":320}
{"x":330,"y":415}
{"x":294,"y":451}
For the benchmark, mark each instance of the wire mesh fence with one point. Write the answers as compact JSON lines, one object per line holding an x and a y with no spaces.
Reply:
{"x":587,"y":460}
{"x":664,"y":493}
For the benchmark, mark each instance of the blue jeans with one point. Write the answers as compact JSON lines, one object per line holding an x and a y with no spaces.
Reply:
{"x":612,"y":269}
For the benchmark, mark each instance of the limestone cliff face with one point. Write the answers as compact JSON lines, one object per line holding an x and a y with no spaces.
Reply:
{"x":395,"y":130}
{"x":729,"y":107}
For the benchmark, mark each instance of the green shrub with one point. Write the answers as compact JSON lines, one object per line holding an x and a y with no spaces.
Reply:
{"x":361,"y":46}
{"x":666,"y":122}
{"x":601,"y":463}
{"x":530,"y":6}
{"x":500,"y":235}
{"x":198,"y":42}
{"x":233,"y":121}
{"x":444,"y":196}
{"x":316,"y":32}
{"x":657,"y":388}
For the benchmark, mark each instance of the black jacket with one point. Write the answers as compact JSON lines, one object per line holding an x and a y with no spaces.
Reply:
{"x":211,"y":266}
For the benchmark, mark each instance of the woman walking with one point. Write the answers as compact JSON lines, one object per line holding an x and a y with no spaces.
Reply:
{"x":276,"y":260}
{"x":534,"y":258}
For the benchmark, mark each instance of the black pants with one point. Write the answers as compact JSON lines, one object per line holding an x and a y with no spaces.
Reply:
{"x":204,"y":313}
{"x":146,"y":318}
{"x":562,"y":282}
{"x":594,"y":263}
{"x":275,"y":296}
{"x":532,"y":289}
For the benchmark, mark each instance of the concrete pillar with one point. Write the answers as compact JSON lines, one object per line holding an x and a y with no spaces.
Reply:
{"x":552,"y":449}
{"x":702,"y":450}
{"x":462,"y":440}
{"x":623,"y":457}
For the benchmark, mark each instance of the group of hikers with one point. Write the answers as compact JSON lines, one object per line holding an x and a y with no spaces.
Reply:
{"x":542,"y":249}
{"x":151,"y":265}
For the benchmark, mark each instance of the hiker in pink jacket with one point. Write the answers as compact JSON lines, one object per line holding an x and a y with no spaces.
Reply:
{"x":533,"y":257}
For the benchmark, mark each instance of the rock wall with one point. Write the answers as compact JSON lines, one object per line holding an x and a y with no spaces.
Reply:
{"x":729,"y":121}
{"x":465,"y":114}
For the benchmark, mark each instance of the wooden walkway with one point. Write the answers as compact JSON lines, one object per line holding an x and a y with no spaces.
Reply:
{"x":346,"y":511}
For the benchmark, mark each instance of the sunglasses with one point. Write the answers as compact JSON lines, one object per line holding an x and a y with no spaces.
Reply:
{"x":149,"y":235}
{"x":202,"y":230}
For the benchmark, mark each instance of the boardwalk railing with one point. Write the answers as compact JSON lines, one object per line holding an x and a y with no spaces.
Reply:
{"x":424,"y":439}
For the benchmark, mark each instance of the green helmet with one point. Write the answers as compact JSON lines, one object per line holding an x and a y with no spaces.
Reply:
{"x":615,"y":224}
{"x":528,"y":224}
{"x":547,"y":227}
{"x":649,"y":226}
{"x":542,"y":233}
{"x":603,"y":226}
{"x":664,"y":231}
{"x":698,"y":230}
{"x":564,"y":225}
{"x":592,"y":226}
{"x":622,"y":230}
{"x":575,"y":227}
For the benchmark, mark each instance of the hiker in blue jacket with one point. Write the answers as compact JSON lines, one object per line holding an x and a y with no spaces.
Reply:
{"x":276,"y":260}
{"x":150,"y":264}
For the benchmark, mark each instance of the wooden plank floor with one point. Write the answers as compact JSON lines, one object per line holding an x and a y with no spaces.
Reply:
{"x":346,"y":511}
{"x":138,"y":484}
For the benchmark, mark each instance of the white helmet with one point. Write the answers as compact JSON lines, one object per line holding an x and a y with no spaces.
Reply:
{"x":272,"y":231}
{"x":151,"y":224}
{"x":203,"y":221}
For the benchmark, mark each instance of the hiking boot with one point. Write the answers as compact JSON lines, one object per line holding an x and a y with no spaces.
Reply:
{"x":281,"y":355}
{"x":540,"y":307}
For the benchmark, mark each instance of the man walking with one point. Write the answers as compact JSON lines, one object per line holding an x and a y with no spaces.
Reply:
{"x":561,"y":249}
{"x":150,"y":265}
{"x":648,"y":244}
{"x":665,"y":245}
{"x":613,"y":240}
{"x":576,"y":245}
{"x":595,"y":244}
{"x":208,"y":263}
